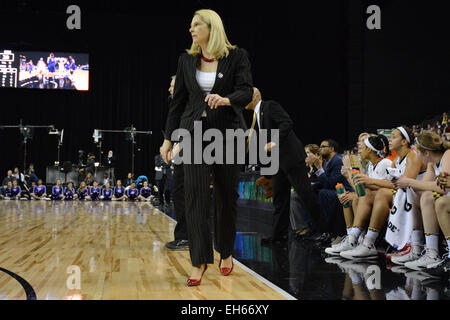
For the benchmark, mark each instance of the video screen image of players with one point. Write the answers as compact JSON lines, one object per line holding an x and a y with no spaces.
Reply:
{"x":54,"y":70}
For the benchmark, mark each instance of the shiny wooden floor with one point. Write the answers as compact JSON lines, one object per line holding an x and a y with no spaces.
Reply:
{"x":106,"y":250}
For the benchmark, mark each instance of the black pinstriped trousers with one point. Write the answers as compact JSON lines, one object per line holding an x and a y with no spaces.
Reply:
{"x":197,"y":179}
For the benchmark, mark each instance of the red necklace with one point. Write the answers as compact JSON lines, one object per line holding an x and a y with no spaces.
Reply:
{"x":205,"y":59}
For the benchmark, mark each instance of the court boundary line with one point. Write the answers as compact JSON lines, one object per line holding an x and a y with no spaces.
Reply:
{"x":247,"y":269}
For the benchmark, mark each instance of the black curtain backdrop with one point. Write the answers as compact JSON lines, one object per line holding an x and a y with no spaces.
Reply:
{"x":317,"y":58}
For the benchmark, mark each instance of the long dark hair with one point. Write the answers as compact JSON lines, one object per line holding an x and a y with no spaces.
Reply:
{"x":381,"y":144}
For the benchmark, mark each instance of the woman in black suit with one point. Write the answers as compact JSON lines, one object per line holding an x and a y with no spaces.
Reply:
{"x":214,"y":84}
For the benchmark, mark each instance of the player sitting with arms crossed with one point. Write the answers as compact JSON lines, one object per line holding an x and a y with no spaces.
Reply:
{"x":95,"y":191}
{"x":57,"y":191}
{"x":39,"y":192}
{"x":133,"y":192}
{"x":83,"y":192}
{"x":146,"y":192}
{"x":107,"y":193}
{"x":69,"y":192}
{"x":119,"y":192}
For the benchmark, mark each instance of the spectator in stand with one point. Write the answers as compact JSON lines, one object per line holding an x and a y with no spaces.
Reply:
{"x":89,"y":179}
{"x":39,"y":192}
{"x":129,"y":181}
{"x":18,"y":175}
{"x":9,"y":178}
{"x":106,"y":180}
{"x":31,"y":176}
{"x":90,"y":164}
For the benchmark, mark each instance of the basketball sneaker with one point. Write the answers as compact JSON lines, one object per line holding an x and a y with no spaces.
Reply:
{"x":406,"y":249}
{"x":344,"y":245}
{"x":412,"y":255}
{"x":440,"y":269}
{"x":363,"y":251}
{"x":430,"y":257}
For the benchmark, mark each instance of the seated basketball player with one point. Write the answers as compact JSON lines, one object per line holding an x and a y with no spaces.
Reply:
{"x":146,"y":192}
{"x":57,"y":191}
{"x":69,"y":192}
{"x":119,"y":192}
{"x":107,"y":193}
{"x":95,"y":191}
{"x":133,"y":192}
{"x":39,"y":192}
{"x":83,"y":192}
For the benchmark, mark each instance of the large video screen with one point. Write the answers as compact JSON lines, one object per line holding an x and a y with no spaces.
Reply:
{"x":44,"y":70}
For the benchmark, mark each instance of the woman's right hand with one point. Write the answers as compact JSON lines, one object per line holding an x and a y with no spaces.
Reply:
{"x":165,"y":150}
{"x":344,"y":172}
{"x":347,"y":197}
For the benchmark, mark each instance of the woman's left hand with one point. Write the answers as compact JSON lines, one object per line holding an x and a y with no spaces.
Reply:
{"x":214,"y":101}
{"x":268,"y":147}
{"x":361,"y":179}
{"x":402,"y":182}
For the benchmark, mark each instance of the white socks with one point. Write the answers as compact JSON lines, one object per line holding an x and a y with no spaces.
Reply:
{"x":432,"y":241}
{"x":417,"y":238}
{"x":371,"y":236}
{"x":354,"y":235}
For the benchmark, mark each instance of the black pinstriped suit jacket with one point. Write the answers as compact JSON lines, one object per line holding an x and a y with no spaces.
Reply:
{"x":233,"y":80}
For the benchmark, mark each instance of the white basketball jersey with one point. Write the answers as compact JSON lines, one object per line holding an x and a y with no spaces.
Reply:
{"x":379,"y":171}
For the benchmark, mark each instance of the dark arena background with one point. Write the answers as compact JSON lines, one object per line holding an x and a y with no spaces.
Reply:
{"x":333,"y":75}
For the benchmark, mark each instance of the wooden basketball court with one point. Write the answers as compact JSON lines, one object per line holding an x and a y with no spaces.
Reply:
{"x":105,"y":250}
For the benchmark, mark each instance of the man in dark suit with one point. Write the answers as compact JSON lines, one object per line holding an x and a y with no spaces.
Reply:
{"x":329,"y":174}
{"x":180,"y":241}
{"x":110,"y":162}
{"x":162,"y":179}
{"x":292,"y":170}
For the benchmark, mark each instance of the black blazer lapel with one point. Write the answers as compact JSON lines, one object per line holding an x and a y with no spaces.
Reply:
{"x":193,"y":73}
{"x":221,"y":74}
{"x":261,"y":116}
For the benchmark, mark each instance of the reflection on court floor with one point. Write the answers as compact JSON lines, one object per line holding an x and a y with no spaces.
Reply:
{"x":105,"y":250}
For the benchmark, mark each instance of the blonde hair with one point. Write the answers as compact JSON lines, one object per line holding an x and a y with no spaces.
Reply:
{"x":218,"y":44}
{"x":430,"y":141}
{"x":365,"y":134}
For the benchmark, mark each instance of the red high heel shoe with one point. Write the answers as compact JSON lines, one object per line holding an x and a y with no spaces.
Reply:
{"x":195,"y":282}
{"x":226,"y":271}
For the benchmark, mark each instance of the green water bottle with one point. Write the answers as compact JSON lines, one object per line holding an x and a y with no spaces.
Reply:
{"x":360,"y":190}
{"x":340,"y":190}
